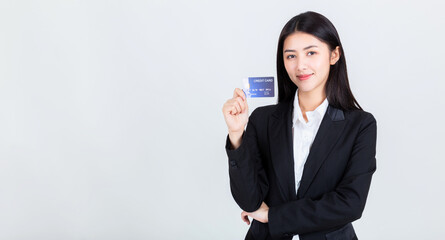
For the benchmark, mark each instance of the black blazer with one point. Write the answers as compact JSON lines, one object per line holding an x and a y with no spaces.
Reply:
{"x":335,"y":182}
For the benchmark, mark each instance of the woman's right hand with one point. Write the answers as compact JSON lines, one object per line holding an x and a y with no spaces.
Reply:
{"x":236,"y":112}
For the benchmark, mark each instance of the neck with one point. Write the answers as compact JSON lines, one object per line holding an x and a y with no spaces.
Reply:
{"x":309,"y":101}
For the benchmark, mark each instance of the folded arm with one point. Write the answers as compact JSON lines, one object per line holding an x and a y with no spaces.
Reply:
{"x":341,"y":206}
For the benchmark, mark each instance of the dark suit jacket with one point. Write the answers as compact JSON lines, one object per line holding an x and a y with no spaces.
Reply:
{"x":335,"y":182}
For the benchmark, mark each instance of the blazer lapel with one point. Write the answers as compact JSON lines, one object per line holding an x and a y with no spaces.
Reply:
{"x":281,"y":148}
{"x":329,"y":131}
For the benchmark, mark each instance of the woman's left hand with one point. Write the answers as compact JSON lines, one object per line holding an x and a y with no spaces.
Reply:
{"x":260,"y":215}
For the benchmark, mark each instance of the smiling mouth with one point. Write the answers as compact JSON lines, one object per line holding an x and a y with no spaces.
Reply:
{"x":304,"y":76}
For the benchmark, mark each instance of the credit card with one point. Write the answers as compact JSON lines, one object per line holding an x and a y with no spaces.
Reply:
{"x":255,"y":87}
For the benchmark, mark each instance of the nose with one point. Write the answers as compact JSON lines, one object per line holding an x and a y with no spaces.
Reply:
{"x":301,"y":64}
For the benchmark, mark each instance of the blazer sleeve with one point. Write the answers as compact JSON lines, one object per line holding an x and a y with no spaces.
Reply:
{"x":341,"y":206}
{"x":248,"y":180}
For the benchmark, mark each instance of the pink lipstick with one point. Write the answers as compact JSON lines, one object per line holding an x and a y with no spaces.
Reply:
{"x":304,"y":77}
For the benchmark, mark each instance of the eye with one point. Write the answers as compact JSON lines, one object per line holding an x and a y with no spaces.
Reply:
{"x":290,"y":56}
{"x":311,"y":53}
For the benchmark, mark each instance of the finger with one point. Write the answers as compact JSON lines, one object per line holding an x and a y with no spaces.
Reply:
{"x":242,"y":103}
{"x":245,"y":217}
{"x":228,"y":106}
{"x":240,"y":93}
{"x":233,"y":111}
{"x":246,"y":220}
{"x":238,"y":106}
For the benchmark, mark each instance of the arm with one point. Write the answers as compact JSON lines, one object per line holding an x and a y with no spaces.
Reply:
{"x":343,"y":205}
{"x":248,"y":180}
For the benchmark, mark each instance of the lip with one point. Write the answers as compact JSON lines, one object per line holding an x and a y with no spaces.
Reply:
{"x":304,"y":76}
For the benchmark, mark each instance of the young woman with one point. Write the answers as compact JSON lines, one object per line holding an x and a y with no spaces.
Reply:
{"x":303,"y":167}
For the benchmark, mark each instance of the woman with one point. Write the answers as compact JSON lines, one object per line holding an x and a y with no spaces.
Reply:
{"x":303,"y":167}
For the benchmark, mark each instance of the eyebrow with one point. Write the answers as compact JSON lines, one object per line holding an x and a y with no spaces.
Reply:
{"x":291,"y":50}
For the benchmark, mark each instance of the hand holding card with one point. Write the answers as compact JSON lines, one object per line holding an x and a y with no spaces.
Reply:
{"x":236,"y":115}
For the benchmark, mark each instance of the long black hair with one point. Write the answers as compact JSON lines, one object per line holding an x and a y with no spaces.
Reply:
{"x":338,"y":91}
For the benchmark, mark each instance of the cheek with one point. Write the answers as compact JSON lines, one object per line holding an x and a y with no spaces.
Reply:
{"x":322,"y":66}
{"x":289,"y":66}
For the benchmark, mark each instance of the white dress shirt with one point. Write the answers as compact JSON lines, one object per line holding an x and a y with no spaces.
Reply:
{"x":303,"y":136}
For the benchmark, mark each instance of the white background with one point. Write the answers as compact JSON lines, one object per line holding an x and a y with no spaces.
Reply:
{"x":111,"y":124}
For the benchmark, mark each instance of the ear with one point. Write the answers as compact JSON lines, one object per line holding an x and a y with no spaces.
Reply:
{"x":335,"y":55}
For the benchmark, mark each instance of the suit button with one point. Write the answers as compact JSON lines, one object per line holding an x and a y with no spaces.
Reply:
{"x":233,"y":163}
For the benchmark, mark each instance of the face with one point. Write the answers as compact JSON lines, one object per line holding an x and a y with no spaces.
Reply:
{"x":307,"y":61}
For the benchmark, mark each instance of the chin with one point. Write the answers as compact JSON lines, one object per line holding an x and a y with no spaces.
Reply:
{"x":305,"y":89}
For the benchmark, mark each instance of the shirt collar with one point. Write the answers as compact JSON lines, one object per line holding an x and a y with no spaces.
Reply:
{"x":317,"y":113}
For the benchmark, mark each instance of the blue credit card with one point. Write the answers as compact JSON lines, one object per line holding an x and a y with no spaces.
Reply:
{"x":255,"y":87}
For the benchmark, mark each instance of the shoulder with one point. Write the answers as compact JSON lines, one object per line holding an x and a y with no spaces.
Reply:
{"x":360,"y":115}
{"x":261,"y":115}
{"x":362,"y":119}
{"x":264,"y":111}
{"x":278,"y":110}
